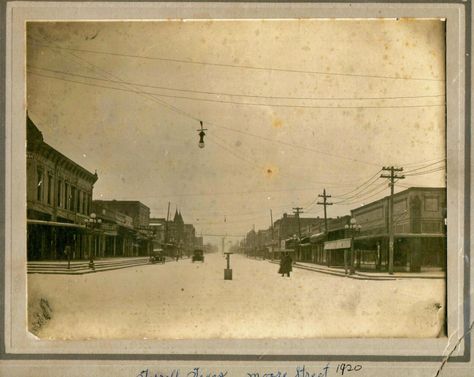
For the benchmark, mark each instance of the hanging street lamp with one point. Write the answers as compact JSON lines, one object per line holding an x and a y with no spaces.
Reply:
{"x":201,"y":135}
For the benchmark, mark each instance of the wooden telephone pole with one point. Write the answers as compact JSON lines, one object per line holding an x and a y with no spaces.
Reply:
{"x":325,"y":203}
{"x":392,"y":177}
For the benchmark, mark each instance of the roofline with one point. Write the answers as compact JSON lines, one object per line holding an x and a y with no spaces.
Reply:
{"x":93,"y":176}
{"x":121,"y":201}
{"x":415,"y":188}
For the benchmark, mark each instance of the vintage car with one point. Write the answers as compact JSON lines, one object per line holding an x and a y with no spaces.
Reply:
{"x":198,"y":255}
{"x":157,"y":256}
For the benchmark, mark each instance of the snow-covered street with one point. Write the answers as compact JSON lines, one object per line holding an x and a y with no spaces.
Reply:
{"x":192,"y":300}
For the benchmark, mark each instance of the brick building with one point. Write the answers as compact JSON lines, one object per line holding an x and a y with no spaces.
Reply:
{"x":142,"y":242}
{"x":419,"y":228}
{"x":58,"y":194}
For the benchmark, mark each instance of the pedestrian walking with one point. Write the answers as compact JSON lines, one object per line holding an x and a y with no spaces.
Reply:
{"x":288,"y":264}
{"x":285,"y":265}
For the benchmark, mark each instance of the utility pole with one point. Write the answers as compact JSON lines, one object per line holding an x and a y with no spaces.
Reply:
{"x":325,"y":204}
{"x":297,"y":211}
{"x":392,"y":176}
{"x":273,"y":236}
{"x":166,"y":229}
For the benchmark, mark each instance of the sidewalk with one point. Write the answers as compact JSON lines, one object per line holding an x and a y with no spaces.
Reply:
{"x":336,"y":271}
{"x":82,"y":266}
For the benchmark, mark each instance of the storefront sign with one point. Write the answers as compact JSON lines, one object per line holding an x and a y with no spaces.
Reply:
{"x":338,"y":244}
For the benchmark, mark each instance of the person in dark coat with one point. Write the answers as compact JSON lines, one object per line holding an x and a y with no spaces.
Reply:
{"x":288,"y":264}
{"x":285,"y":265}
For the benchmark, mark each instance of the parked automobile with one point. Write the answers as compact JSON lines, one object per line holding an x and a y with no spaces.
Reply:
{"x":157,"y":257}
{"x":198,"y":255}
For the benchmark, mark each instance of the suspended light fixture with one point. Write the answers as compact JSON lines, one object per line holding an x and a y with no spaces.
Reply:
{"x":201,"y":135}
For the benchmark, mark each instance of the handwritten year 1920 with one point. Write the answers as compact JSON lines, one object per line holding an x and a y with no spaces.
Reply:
{"x":344,"y":368}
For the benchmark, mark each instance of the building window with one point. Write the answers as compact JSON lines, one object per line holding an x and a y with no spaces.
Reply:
{"x":50,"y":188}
{"x":60,"y":202}
{"x":66,"y":196}
{"x":431,"y":203}
{"x":73,"y":198}
{"x":78,"y":201}
{"x":39,"y":184}
{"x":84,"y":207}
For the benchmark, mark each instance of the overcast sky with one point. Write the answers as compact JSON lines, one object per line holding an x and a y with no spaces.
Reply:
{"x":291,"y":107}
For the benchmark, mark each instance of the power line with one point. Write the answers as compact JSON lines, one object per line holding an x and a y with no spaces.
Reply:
{"x":359,"y":196}
{"x":179,"y":111}
{"x":228,"y":128}
{"x":223,"y":127}
{"x":423,"y":162}
{"x":426,"y":172}
{"x":386,"y":77}
{"x":424,"y":167}
{"x":235,"y":94}
{"x":242,"y":103}
{"x":367,"y":183}
{"x":362,"y":199}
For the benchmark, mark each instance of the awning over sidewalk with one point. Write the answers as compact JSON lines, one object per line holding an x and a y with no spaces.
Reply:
{"x":55,"y":223}
{"x":317,"y":237}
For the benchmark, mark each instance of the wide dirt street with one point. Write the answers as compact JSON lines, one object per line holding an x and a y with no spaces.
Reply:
{"x":191,"y":300}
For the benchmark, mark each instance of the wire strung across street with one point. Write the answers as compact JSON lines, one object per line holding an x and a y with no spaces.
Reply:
{"x":180,"y":111}
{"x":216,"y":93}
{"x":324,"y":73}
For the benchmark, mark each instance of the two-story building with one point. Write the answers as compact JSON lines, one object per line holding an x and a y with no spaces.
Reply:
{"x":419,"y":230}
{"x":139,"y":213}
{"x":59,"y":194}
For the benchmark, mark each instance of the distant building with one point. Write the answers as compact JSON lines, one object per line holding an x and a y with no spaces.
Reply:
{"x":116,"y":233}
{"x":58,"y":194}
{"x":158,"y":228}
{"x":138,"y":211}
{"x":289,"y":225}
{"x":142,"y":243}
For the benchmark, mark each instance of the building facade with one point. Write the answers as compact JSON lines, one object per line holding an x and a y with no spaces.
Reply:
{"x":419,"y":228}
{"x":141,"y":237}
{"x":115,"y":232}
{"x":59,"y":195}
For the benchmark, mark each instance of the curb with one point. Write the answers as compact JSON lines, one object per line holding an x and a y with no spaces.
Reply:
{"x":360,"y":276}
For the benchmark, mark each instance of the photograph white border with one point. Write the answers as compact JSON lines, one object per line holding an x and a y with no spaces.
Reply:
{"x":19,"y":341}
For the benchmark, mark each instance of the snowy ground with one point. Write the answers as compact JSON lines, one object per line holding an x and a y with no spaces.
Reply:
{"x":191,"y":300}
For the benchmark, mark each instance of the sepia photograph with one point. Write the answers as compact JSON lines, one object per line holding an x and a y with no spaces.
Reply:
{"x":236,"y":179}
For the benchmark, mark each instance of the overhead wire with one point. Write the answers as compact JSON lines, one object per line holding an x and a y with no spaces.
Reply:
{"x":216,"y":93}
{"x":424,"y":167}
{"x":152,"y":95}
{"x":426,"y":172}
{"x":368,"y":182}
{"x":259,"y":104}
{"x":324,"y":73}
{"x":364,"y":198}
